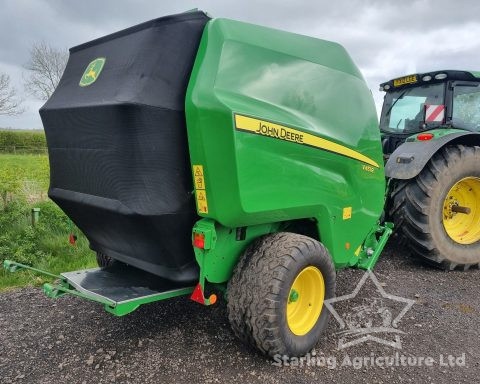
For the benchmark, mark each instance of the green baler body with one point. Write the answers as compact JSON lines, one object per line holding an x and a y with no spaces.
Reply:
{"x":246,"y":76}
{"x":282,"y":136}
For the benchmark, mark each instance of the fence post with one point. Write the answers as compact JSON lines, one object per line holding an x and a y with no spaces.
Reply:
{"x":35,"y":216}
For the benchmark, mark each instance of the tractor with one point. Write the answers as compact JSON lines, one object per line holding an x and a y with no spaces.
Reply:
{"x":430,"y":127}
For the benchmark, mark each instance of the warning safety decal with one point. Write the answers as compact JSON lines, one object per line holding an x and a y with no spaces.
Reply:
{"x":434,"y":113}
{"x":347,"y":213}
{"x":201,"y":194}
{"x":281,"y":132}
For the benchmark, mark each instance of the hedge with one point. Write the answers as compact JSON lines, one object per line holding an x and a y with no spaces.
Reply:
{"x":22,"y":141}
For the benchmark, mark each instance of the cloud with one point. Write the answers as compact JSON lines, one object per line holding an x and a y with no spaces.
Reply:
{"x":385,"y":38}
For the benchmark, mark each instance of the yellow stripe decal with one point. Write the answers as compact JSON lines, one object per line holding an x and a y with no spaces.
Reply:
{"x":281,"y":132}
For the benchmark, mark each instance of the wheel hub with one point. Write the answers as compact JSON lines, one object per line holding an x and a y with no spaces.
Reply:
{"x":305,"y":300}
{"x":461,"y":211}
{"x":293,"y":296}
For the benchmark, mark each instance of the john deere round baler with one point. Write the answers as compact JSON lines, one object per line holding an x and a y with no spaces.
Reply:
{"x":199,"y":154}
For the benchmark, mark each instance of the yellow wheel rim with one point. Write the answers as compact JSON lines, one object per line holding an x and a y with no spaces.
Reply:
{"x":305,"y":301}
{"x":461,"y":211}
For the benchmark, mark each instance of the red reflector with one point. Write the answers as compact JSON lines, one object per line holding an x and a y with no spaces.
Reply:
{"x":425,"y":136}
{"x":199,"y":240}
{"x":197,"y":294}
{"x":72,"y":239}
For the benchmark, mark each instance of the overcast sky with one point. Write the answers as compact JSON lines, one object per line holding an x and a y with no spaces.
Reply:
{"x":385,"y":38}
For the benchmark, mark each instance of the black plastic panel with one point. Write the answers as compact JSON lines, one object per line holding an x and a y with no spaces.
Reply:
{"x":118,"y":148}
{"x":120,"y":283}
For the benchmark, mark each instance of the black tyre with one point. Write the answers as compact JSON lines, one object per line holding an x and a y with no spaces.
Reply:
{"x":105,"y":261}
{"x":437,"y":214}
{"x":276,"y":294}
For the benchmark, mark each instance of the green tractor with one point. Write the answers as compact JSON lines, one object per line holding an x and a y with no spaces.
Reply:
{"x":430,"y":125}
{"x":203,"y":156}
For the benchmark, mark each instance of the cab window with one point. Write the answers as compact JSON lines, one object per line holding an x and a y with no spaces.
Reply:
{"x":403,"y":110}
{"x":466,"y":106}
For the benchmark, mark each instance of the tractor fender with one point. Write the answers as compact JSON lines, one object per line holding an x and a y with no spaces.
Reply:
{"x":409,"y":159}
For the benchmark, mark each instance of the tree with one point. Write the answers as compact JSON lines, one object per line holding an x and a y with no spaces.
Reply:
{"x":45,"y":69}
{"x":9,"y":102}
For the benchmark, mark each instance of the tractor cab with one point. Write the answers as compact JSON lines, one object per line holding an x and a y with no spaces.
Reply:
{"x":421,"y":102}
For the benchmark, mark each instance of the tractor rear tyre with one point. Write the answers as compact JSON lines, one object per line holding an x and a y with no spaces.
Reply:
{"x":437,"y":214}
{"x":277,"y":291}
{"x":105,"y":261}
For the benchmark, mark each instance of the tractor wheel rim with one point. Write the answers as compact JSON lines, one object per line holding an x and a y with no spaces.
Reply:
{"x":305,"y":300}
{"x":463,"y":228}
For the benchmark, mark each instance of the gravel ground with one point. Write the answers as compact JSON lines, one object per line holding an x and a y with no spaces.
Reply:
{"x":179,"y":341}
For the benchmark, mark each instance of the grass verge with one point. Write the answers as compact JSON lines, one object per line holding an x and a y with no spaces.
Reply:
{"x":44,"y":246}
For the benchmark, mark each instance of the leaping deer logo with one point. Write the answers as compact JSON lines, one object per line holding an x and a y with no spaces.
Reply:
{"x":92,"y":72}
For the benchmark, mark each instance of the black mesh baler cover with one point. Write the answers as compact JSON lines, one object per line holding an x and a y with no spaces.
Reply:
{"x":119,"y":161}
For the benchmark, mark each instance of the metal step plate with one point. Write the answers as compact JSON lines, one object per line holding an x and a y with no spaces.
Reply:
{"x":120,"y":283}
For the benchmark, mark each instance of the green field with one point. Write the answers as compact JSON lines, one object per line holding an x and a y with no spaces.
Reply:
{"x":23,"y":186}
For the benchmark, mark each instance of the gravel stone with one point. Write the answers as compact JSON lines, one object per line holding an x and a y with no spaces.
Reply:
{"x":180,"y":341}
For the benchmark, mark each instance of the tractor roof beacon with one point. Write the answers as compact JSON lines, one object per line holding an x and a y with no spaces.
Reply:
{"x":430,"y":126}
{"x":198,"y":154}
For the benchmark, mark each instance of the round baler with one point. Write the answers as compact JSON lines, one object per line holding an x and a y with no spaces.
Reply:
{"x":211,"y":154}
